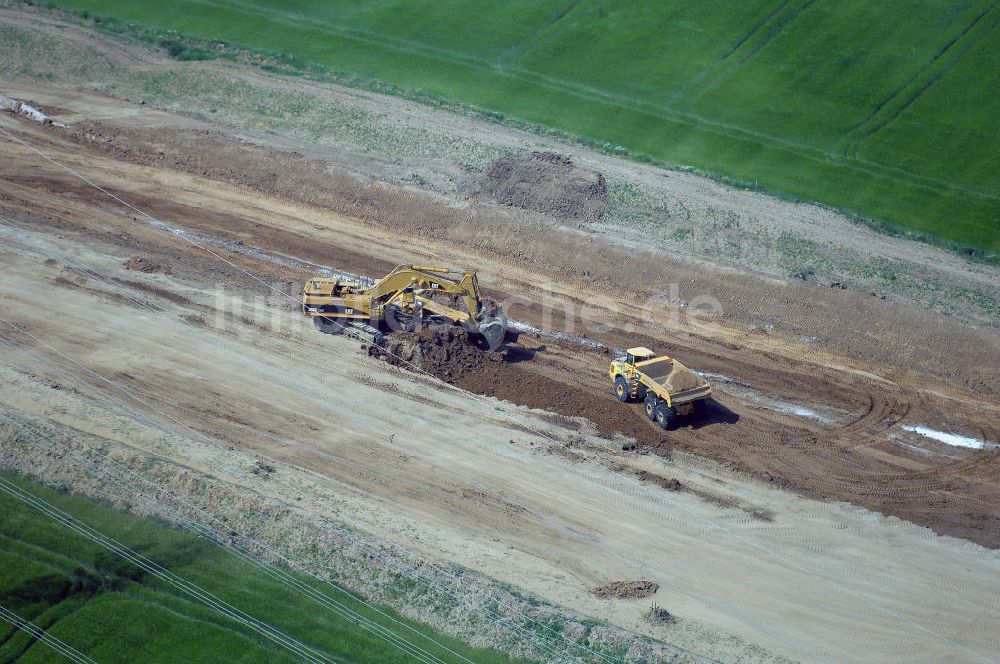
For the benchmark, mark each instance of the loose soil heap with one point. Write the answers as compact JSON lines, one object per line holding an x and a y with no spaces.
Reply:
{"x":144,"y":264}
{"x":675,"y":376}
{"x":445,"y":351}
{"x":659,"y":616}
{"x":545,"y":182}
{"x":626,"y":589}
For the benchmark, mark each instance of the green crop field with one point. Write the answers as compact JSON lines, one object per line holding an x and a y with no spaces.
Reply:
{"x":889,"y":110}
{"x":112,"y":611}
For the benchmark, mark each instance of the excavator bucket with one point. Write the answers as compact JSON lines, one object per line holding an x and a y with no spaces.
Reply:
{"x":493,"y":330}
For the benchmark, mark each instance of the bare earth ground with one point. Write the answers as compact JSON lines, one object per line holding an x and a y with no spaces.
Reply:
{"x":799,"y":516}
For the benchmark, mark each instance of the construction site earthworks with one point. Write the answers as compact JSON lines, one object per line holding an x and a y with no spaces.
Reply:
{"x":835,"y":498}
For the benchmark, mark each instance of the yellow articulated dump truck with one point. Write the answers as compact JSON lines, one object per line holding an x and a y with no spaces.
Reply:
{"x":668,"y":389}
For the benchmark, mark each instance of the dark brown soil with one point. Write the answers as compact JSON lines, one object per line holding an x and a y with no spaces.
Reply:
{"x":144,"y":264}
{"x":534,"y":389}
{"x":659,"y":616}
{"x":449,"y":353}
{"x":668,"y":483}
{"x":445,"y":351}
{"x":545,"y":182}
{"x":626,"y":589}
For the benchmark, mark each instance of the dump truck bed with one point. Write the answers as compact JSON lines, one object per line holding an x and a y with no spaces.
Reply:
{"x":672,"y":381}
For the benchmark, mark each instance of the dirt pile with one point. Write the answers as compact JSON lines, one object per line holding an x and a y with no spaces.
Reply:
{"x":626,"y":589}
{"x":659,"y":616}
{"x":668,"y":483}
{"x":545,"y":182}
{"x":143,"y":264}
{"x":446,"y":351}
{"x":674,"y":375}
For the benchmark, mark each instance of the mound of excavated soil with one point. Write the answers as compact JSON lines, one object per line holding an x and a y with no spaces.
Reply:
{"x":445,"y":351}
{"x":681,"y":378}
{"x":545,"y":182}
{"x":659,"y":616}
{"x":668,"y":483}
{"x":626,"y":589}
{"x":143,"y":264}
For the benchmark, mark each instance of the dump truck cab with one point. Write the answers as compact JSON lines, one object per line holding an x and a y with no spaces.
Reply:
{"x":638,"y":354}
{"x":669,"y":389}
{"x":625,"y":367}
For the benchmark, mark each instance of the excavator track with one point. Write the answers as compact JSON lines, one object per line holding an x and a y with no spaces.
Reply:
{"x":369,"y":335}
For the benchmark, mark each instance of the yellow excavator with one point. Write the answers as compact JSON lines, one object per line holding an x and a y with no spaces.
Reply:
{"x":403,"y":300}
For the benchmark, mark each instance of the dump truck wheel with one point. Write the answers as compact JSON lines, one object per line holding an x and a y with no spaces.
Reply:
{"x":622,"y":392}
{"x":664,"y":415}
{"x":649,"y":405}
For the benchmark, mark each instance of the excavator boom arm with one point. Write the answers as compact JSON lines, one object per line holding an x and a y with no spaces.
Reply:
{"x":410,"y":278}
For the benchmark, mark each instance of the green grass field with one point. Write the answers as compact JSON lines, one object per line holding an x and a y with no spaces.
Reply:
{"x":889,"y":110}
{"x":110,"y":610}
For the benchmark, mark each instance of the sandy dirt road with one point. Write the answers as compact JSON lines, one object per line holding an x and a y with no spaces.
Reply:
{"x":547,"y":501}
